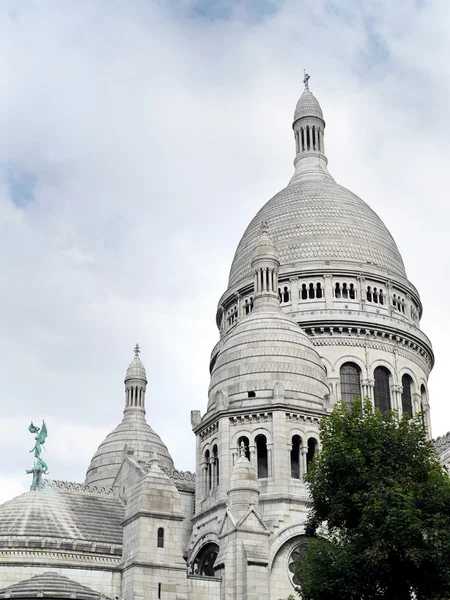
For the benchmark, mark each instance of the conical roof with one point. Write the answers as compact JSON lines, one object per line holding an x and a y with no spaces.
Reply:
{"x":308,"y":106}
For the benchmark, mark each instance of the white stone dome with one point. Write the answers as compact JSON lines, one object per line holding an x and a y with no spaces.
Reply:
{"x":307,"y":106}
{"x":135,"y":433}
{"x":266,"y":348}
{"x":314,"y":221}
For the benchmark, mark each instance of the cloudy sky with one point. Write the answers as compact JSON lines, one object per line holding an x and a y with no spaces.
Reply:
{"x":138,"y":140}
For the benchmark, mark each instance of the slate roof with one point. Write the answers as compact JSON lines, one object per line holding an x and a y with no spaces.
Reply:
{"x":62,"y":518}
{"x":49,"y":585}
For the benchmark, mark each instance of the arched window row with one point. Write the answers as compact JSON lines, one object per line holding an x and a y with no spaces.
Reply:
{"x":350,"y":382}
{"x":398,"y":303}
{"x":375,"y":295}
{"x":347,"y":291}
{"x":311,"y":291}
{"x":135,"y":396}
{"x":232,"y":315}
{"x":308,"y":139}
{"x":248,"y":305}
{"x":211,"y":471}
{"x":284,"y":294}
{"x":302,"y":454}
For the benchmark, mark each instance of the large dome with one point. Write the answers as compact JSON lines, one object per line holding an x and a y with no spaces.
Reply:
{"x":265,"y":348}
{"x":134,"y":432}
{"x":315,"y":221}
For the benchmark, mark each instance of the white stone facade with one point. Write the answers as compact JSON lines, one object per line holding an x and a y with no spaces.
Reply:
{"x":318,"y":308}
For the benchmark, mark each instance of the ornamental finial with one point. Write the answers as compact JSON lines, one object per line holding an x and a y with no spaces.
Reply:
{"x":306,"y":79}
{"x":40,"y":466}
{"x":137,"y":350}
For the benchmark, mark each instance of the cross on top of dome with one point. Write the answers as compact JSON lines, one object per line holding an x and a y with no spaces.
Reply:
{"x":137,"y":350}
{"x":306,"y":79}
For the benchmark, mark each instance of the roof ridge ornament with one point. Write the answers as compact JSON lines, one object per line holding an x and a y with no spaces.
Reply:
{"x":306,"y":79}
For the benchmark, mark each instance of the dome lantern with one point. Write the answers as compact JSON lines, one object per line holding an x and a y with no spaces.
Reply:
{"x":135,"y":384}
{"x":309,"y":127}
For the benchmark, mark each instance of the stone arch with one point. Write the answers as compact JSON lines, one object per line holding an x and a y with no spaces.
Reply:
{"x":285,"y":535}
{"x":351,"y":358}
{"x":410,"y":372}
{"x":205,"y":539}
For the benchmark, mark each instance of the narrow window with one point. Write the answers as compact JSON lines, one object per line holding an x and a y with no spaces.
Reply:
{"x":337,"y":291}
{"x":207,"y":471}
{"x":319,"y":291}
{"x":351,"y":292}
{"x":159,"y":591}
{"x":280,"y":295}
{"x":216,"y":465}
{"x":243,"y":439}
{"x":304,"y":292}
{"x":295,"y":456}
{"x":311,"y":291}
{"x":302,"y":139}
{"x":369,"y":294}
{"x":381,"y":297}
{"x":285,"y":294}
{"x":406,"y":395}
{"x":350,"y":376}
{"x":344,"y":290}
{"x":312,"y":447}
{"x":423,"y":402}
{"x":160,"y":537}
{"x":375,"y":295}
{"x":261,"y":453}
{"x":381,"y":391}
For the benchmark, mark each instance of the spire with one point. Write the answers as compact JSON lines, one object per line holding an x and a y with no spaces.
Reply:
{"x":309,"y":127}
{"x":135,"y":385}
{"x":265,"y":265}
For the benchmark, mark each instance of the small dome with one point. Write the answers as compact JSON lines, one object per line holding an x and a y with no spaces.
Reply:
{"x":136,"y":370}
{"x":308,"y":106}
{"x":266,"y":347}
{"x":265,"y":250}
{"x":243,"y":475}
{"x":134,"y":432}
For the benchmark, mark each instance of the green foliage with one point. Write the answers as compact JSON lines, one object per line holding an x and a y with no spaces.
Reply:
{"x":379,"y":492}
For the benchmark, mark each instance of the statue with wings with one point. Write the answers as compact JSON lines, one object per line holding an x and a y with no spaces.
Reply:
{"x":40,"y":466}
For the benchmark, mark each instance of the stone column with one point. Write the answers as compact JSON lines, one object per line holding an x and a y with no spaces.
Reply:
{"x":293,"y":281}
{"x":328,"y":291}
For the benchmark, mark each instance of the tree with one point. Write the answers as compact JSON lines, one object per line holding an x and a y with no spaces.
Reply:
{"x":379,"y":525}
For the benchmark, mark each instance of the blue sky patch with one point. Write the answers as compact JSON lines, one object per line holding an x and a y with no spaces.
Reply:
{"x":21,"y":183}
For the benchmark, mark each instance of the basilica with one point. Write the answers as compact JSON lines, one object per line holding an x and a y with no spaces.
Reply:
{"x":318,"y":308}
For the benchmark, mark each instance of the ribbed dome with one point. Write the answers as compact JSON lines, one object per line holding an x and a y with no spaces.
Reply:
{"x":316,"y":220}
{"x":61,"y":514}
{"x":135,"y":433}
{"x":136,"y":370}
{"x":265,"y":348}
{"x":307,"y":106}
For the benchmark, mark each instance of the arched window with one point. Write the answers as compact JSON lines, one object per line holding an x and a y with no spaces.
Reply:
{"x":296,"y":456}
{"x":406,"y":395}
{"x":312,"y":447}
{"x":381,"y":391}
{"x":369,"y":294}
{"x":337,"y":291}
{"x":216,"y":465}
{"x":351,"y":292}
{"x":344,"y":290}
{"x":423,"y":402}
{"x":304,"y":292}
{"x":160,"y":537}
{"x":375,"y":295}
{"x":261,"y":454}
{"x":311,"y":293}
{"x":207,"y":471}
{"x":205,"y":559}
{"x":319,"y":292}
{"x":381,"y":297}
{"x":350,"y":376}
{"x":245,"y":440}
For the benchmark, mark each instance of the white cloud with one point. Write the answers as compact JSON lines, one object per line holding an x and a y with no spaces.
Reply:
{"x":153,"y":136}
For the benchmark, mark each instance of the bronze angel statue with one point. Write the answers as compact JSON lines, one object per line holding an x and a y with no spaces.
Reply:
{"x":39,"y":439}
{"x":40,"y":466}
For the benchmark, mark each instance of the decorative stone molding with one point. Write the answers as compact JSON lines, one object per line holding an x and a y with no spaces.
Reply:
{"x":251,"y":418}
{"x":76,"y":487}
{"x":305,"y":419}
{"x":442,"y":442}
{"x":179,"y":475}
{"x":209,"y":430}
